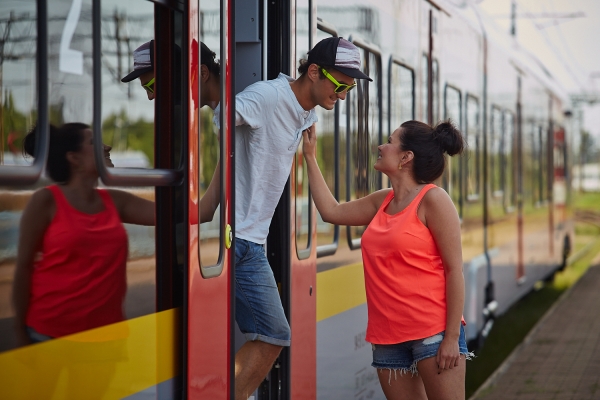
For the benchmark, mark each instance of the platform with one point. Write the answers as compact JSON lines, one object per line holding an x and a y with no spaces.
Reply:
{"x":560,"y":358}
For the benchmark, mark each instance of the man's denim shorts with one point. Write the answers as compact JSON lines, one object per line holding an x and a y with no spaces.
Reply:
{"x":258,"y":309}
{"x":405,"y":356}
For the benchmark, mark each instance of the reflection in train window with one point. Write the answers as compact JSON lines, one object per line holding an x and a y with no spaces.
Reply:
{"x":508,"y":164}
{"x":474,"y":150}
{"x":364,"y":110}
{"x":495,"y":146}
{"x":303,"y":209}
{"x":18,"y":94}
{"x":208,"y":141}
{"x":127,"y":113}
{"x":451,"y":177}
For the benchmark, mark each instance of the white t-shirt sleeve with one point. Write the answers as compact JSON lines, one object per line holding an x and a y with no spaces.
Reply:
{"x":255,"y":105}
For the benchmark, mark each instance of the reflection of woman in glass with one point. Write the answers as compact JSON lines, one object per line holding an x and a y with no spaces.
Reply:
{"x":412,"y":262}
{"x":70,"y":273}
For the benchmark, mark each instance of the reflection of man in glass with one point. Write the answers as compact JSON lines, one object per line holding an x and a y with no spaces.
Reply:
{"x":210,"y":70}
{"x":210,"y":95}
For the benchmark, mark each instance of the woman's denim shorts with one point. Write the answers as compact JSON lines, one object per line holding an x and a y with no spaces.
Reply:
{"x":405,"y":356}
{"x":258,"y":309}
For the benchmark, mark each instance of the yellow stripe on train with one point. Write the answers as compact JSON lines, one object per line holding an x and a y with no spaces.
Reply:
{"x":339,"y":290}
{"x":110,"y":362}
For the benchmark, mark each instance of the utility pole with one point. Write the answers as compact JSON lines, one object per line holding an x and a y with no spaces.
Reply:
{"x":513,"y":18}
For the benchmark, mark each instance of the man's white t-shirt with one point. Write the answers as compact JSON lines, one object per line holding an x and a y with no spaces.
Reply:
{"x":269,"y":124}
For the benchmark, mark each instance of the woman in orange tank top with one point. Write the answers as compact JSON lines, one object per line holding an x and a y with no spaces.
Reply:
{"x":70,"y":271}
{"x":412,"y":260}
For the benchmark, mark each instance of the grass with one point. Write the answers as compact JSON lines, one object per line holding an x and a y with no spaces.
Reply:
{"x":511,"y":328}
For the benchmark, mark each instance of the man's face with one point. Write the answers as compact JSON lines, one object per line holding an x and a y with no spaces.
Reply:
{"x":326,"y":95}
{"x":145,"y":78}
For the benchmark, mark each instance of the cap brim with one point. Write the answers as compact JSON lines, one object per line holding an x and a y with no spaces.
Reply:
{"x":136,"y":74}
{"x":353,"y":73}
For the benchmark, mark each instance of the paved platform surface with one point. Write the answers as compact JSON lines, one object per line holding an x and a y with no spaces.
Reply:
{"x":560,"y":358}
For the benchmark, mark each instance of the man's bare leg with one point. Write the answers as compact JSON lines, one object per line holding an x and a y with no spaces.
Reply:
{"x":253,"y":361}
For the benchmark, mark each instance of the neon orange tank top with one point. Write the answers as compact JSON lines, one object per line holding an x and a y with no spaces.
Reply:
{"x":404,"y":276}
{"x":80,"y":281}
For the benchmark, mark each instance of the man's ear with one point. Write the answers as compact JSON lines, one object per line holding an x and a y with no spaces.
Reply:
{"x":313,"y":72}
{"x":204,"y":73}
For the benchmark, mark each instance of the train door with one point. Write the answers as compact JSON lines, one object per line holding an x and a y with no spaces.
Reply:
{"x":84,"y":49}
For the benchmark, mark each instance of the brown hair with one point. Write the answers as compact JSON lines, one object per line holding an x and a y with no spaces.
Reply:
{"x":429,"y":145}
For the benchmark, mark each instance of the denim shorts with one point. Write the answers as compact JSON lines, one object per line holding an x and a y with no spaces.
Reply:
{"x":405,"y":356}
{"x":258,"y":309}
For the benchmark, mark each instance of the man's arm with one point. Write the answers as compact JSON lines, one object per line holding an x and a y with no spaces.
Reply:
{"x":212,"y":197}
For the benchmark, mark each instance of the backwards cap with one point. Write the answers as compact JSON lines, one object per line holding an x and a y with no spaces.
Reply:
{"x":339,"y":54}
{"x":143,"y":59}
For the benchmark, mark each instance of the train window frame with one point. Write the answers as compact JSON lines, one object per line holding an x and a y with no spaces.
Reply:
{"x":227,"y":161}
{"x":476,"y":195}
{"x":368,"y":48}
{"x":460,"y":160}
{"x":425,"y":87}
{"x":330,"y":249}
{"x":121,"y":176}
{"x":300,"y":169}
{"x":435,"y":87}
{"x":509,"y":199}
{"x":496,"y":192}
{"x":391,"y":63}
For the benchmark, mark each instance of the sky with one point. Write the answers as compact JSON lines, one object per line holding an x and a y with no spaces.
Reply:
{"x":569,"y":47}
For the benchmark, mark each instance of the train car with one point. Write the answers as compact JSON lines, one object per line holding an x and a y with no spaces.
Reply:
{"x":429,"y":60}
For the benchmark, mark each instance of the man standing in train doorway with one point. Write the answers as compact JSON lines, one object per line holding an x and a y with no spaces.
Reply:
{"x":270,"y":118}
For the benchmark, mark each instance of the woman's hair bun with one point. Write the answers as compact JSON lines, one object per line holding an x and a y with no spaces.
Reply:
{"x":449,"y":137}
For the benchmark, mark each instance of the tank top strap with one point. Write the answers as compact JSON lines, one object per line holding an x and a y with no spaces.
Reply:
{"x":107,"y":200}
{"x":386,"y":201}
{"x":59,"y":197}
{"x":414,"y":205}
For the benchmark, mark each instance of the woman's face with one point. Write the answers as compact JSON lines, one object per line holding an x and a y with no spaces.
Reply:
{"x":390,"y":154}
{"x":87,"y":152}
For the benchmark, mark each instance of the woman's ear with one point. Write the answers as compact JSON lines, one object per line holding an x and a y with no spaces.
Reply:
{"x":73,"y":158}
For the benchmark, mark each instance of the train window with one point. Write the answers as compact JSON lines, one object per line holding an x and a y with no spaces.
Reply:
{"x":18,"y":95}
{"x":541,"y":151}
{"x":507,"y":164}
{"x":474,"y":150}
{"x":211,"y":232}
{"x":401,"y":94}
{"x":364,"y":134}
{"x":435,"y":81}
{"x":401,"y":98}
{"x":303,"y":209}
{"x":497,"y":135}
{"x":425,"y":88}
{"x":329,"y":155}
{"x":451,"y":178}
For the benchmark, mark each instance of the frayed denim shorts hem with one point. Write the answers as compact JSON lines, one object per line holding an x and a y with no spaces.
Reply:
{"x":404,"y":357}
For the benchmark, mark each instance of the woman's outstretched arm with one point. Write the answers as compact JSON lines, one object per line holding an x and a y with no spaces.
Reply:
{"x":357,"y":212}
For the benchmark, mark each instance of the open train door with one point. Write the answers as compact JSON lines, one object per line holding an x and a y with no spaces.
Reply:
{"x":209,"y":305}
